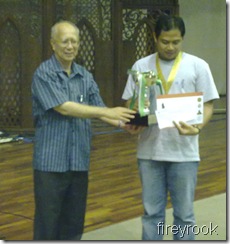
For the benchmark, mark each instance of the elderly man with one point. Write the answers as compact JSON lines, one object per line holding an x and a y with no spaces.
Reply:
{"x":65,"y":98}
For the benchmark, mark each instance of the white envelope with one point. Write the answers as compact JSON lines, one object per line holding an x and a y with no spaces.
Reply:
{"x":186,"y":107}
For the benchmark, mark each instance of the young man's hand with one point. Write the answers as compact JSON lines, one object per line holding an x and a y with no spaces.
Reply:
{"x":186,"y":129}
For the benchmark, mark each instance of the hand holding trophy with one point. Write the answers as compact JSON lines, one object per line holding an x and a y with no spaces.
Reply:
{"x":141,"y":97}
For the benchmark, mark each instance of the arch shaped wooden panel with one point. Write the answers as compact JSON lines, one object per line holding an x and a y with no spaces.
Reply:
{"x":10,"y":74}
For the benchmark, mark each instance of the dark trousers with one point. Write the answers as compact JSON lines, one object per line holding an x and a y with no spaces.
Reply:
{"x":60,"y":205}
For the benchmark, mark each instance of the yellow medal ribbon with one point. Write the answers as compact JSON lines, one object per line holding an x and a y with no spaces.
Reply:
{"x":167,"y":84}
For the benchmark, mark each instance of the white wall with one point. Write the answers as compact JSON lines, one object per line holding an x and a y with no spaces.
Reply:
{"x":205,"y":23}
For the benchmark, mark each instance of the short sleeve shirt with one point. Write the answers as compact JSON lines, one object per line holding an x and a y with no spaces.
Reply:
{"x":193,"y":75}
{"x":62,"y":143}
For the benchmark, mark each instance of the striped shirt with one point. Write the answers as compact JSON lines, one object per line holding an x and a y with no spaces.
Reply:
{"x":62,"y":143}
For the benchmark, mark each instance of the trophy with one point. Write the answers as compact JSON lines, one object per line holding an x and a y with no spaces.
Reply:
{"x":143,"y":81}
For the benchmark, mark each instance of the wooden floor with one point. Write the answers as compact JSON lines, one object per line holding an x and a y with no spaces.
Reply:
{"x":114,"y":188}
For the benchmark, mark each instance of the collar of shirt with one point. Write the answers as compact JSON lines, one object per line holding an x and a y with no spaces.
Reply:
{"x":76,"y":69}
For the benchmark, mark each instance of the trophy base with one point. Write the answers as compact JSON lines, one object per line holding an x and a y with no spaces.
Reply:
{"x":138,"y":120}
{"x":144,"y":120}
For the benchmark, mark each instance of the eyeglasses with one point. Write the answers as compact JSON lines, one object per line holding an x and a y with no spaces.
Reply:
{"x":65,"y":43}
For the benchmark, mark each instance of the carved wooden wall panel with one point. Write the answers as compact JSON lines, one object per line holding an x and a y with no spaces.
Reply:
{"x":10,"y":63}
{"x":20,"y":51}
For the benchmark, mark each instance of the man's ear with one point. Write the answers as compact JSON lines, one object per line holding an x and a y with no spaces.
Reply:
{"x":52,"y":44}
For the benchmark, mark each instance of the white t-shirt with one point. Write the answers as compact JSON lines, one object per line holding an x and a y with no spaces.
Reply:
{"x":193,"y":75}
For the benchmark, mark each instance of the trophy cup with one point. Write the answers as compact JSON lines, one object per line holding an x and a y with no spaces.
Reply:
{"x":143,"y":81}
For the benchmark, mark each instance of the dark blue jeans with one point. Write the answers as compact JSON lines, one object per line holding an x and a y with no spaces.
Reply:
{"x":60,"y":205}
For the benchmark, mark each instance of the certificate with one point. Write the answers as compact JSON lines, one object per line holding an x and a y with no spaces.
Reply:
{"x":186,"y":107}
